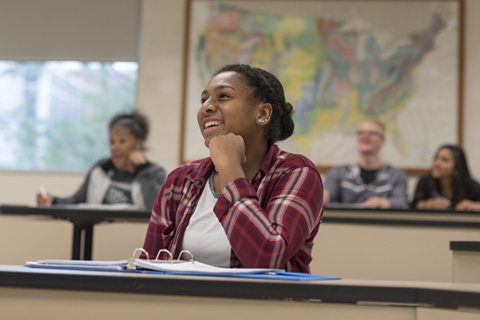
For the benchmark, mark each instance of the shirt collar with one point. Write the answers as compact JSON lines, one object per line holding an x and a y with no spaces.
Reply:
{"x":268,"y":162}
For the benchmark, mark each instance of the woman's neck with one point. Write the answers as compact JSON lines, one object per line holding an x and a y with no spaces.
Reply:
{"x":254,"y":160}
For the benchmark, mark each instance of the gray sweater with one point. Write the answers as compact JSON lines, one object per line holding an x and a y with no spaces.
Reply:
{"x":145,"y":184}
{"x":345,"y":185}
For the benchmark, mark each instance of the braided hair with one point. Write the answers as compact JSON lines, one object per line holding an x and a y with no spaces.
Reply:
{"x":267,"y":89}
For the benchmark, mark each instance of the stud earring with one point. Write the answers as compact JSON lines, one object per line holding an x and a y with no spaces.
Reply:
{"x":262,"y":121}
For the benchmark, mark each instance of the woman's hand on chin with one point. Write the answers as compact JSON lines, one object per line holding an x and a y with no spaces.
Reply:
{"x":135,"y":159}
{"x":227,"y":151}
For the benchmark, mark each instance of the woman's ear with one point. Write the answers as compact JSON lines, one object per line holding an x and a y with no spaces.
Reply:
{"x":264,"y":113}
{"x":139,"y":144}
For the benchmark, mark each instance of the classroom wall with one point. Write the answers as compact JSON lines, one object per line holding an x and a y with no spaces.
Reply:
{"x":161,"y":65}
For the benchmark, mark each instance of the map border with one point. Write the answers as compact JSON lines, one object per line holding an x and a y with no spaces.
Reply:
{"x":410,"y":170}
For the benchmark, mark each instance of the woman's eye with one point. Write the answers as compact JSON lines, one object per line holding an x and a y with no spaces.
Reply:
{"x":224,"y":95}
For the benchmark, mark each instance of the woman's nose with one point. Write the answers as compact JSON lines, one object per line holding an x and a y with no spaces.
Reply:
{"x":207,"y":107}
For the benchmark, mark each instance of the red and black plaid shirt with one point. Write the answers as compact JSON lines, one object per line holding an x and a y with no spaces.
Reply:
{"x":270,"y":222}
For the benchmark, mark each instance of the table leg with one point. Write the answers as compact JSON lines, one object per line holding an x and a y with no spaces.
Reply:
{"x":82,"y":242}
{"x":77,"y":238}
{"x":88,"y":242}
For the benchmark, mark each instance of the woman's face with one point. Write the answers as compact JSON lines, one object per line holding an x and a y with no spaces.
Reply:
{"x":228,"y":106}
{"x":122,"y":143}
{"x":443,"y":164}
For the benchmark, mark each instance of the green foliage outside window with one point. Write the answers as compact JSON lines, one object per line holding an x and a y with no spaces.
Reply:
{"x":54,"y":115}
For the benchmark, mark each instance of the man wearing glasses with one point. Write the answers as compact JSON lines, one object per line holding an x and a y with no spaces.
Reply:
{"x":368,"y":183}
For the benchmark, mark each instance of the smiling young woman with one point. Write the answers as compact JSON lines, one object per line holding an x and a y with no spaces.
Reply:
{"x":126,"y":177}
{"x":249,"y":204}
{"x":449,"y":185}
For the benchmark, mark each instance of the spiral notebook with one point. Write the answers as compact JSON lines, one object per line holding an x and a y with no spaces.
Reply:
{"x":173,"y":266}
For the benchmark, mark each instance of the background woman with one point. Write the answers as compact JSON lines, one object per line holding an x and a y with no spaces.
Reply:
{"x":126,"y":177}
{"x":249,"y":204}
{"x":449,"y":184}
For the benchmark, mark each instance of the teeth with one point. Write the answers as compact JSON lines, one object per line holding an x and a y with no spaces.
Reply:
{"x":211,"y":124}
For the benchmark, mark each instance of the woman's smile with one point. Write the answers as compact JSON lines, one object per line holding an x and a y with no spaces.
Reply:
{"x":212,"y":126}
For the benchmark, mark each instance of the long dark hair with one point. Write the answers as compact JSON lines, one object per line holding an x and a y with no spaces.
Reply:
{"x":461,"y":174}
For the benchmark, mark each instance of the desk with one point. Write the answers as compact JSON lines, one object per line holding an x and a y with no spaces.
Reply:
{"x":399,"y":217}
{"x":122,"y":295}
{"x":83,"y":220}
{"x":465,"y":261}
{"x":404,"y":245}
{"x":354,"y":243}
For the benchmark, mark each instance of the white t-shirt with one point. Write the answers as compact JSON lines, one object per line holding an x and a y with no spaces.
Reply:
{"x":205,"y":237}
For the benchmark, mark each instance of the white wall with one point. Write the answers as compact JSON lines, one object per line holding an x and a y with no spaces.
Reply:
{"x":471,"y":116}
{"x":160,"y":77}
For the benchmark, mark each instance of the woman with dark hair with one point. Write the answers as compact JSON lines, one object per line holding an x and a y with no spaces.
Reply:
{"x":249,"y":204}
{"x":127,"y":177}
{"x":449,"y":184}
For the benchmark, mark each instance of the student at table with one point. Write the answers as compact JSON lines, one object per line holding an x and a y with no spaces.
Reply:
{"x":126,"y":177}
{"x":249,"y":204}
{"x":368,"y":182}
{"x":449,"y":184}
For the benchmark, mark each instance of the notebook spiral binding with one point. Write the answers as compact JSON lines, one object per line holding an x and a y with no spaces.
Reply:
{"x":138,"y":251}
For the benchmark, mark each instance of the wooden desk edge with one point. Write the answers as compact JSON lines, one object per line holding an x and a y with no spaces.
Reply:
{"x":345,"y":291}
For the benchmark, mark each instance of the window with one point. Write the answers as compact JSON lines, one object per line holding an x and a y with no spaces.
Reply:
{"x":54,"y":114}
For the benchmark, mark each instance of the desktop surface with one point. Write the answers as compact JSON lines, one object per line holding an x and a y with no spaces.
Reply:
{"x":344,"y":290}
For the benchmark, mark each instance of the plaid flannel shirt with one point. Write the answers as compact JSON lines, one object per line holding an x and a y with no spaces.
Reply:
{"x":270,"y":222}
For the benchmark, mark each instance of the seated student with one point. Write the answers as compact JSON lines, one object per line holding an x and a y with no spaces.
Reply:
{"x":249,"y":204}
{"x":126,"y":177}
{"x":368,"y":183}
{"x":449,"y":184}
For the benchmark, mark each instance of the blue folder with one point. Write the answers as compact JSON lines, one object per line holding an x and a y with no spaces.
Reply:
{"x":121,"y":266}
